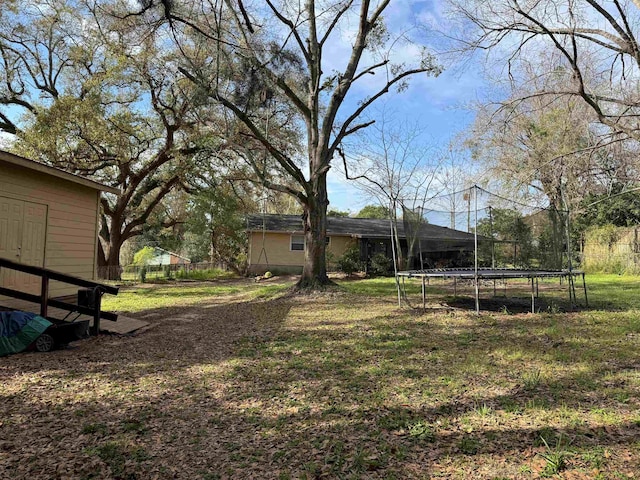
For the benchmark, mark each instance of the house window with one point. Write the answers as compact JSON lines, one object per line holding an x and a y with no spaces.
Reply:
{"x":328,"y":241}
{"x":297,"y":242}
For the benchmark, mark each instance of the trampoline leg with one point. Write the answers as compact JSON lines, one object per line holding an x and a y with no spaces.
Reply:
{"x":533,"y":297}
{"x":424,"y":295}
{"x":455,"y":287}
{"x":584,"y":285}
{"x":494,"y":287}
{"x":537,"y":289}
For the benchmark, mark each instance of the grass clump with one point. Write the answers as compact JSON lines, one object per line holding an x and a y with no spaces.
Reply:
{"x":531,"y":379}
{"x":421,"y":431}
{"x":483,"y":410}
{"x":555,"y":458}
{"x":468,"y":445}
{"x":91,"y":428}
{"x":118,"y":455}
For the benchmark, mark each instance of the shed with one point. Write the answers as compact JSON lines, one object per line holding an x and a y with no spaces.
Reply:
{"x":165,"y":257}
{"x":48,"y":218}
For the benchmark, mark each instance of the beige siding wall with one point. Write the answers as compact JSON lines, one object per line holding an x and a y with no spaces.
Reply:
{"x":278,"y":251}
{"x":71,"y":221}
{"x":337,"y":246}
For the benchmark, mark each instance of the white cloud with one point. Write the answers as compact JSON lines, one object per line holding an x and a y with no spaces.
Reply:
{"x":455,"y":87}
{"x":6,"y":140}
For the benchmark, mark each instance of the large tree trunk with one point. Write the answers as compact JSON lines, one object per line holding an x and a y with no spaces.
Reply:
{"x":114,"y":242}
{"x":114,"y":270}
{"x":314,"y":271}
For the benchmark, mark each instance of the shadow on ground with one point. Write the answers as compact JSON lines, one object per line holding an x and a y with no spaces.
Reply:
{"x":339,"y":387}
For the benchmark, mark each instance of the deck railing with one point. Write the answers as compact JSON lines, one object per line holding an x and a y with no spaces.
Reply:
{"x":93,"y":308}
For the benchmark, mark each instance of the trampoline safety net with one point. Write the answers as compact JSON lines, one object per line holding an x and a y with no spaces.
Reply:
{"x":441,"y":233}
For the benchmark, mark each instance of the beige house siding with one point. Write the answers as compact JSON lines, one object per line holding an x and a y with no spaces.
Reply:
{"x":277,"y":250}
{"x":71,"y":223}
{"x":337,"y":246}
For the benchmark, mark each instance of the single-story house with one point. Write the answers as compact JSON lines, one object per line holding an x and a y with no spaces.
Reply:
{"x":48,"y":218}
{"x":165,"y":257}
{"x":276,"y":242}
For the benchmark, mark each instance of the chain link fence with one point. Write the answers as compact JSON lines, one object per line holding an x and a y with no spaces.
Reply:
{"x":140,"y":273}
{"x":612,"y":249}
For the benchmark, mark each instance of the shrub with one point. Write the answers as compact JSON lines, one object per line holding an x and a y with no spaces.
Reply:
{"x":350,"y":262}
{"x":331,"y":260}
{"x":167,"y":271}
{"x":208,"y":274}
{"x":143,"y":274}
{"x":241,"y":263}
{"x":380,"y":264}
{"x":144,"y":256}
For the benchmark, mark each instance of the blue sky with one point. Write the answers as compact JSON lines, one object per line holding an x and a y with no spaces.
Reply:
{"x":439,"y":105}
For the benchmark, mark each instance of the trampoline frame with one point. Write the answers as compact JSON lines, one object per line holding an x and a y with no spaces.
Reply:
{"x":493,"y":274}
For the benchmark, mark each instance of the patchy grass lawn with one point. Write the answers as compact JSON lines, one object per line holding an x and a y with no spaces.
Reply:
{"x":137,"y":299}
{"x":249,"y":383}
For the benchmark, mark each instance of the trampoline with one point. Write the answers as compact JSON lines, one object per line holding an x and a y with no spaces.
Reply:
{"x":487,"y":237}
{"x":495,"y":274}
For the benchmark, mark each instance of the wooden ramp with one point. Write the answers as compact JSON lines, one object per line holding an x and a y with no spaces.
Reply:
{"x":124,"y":325}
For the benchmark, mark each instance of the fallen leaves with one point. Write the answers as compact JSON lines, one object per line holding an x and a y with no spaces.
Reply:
{"x":326,"y":386}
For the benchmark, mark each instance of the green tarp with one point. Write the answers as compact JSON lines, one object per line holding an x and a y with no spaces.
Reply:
{"x":19,"y":329}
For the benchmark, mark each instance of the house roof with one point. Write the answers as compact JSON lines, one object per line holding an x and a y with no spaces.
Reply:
{"x":54,"y":172}
{"x":356,"y":227}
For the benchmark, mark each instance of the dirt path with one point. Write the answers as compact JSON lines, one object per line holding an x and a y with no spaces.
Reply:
{"x":82,"y":411}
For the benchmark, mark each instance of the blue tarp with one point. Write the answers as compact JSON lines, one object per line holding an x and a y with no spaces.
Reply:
{"x":19,"y":329}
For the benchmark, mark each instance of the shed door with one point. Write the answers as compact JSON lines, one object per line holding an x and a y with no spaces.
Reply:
{"x":22,"y":239}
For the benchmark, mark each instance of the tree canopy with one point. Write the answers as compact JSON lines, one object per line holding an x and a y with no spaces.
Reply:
{"x":619,"y":207}
{"x":595,"y":41}
{"x":374,"y":211}
{"x":337,"y":213}
{"x":106,"y":101}
{"x":568,"y":125}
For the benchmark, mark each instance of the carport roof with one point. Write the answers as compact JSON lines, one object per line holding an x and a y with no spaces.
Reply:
{"x":355,"y":227}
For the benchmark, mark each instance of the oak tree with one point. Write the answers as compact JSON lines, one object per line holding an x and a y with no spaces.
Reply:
{"x":90,"y":94}
{"x":242,"y":54}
